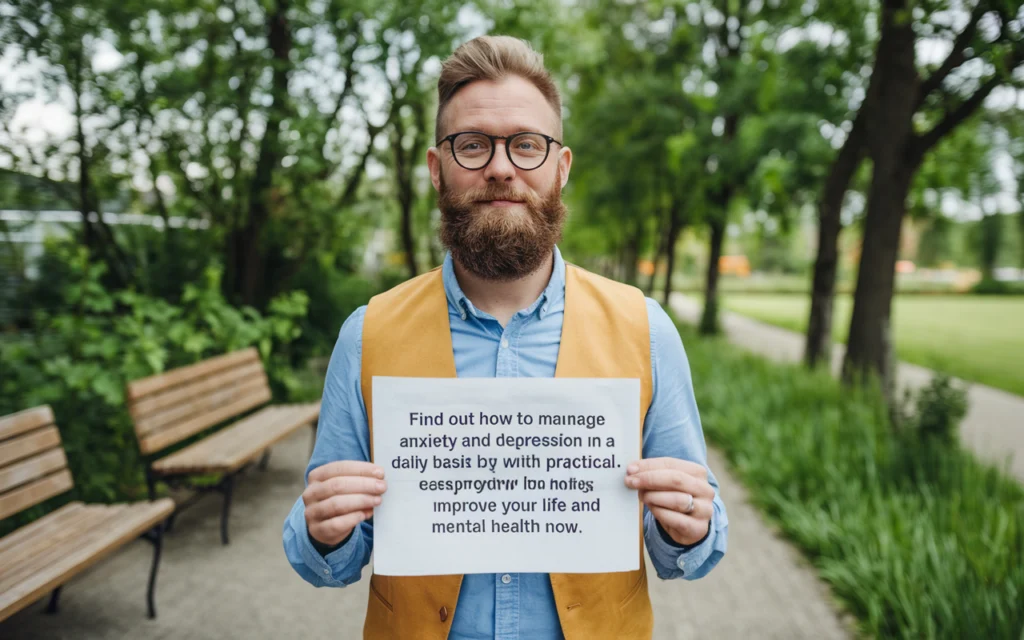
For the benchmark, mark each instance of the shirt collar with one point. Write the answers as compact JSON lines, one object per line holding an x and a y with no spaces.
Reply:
{"x":549,"y":300}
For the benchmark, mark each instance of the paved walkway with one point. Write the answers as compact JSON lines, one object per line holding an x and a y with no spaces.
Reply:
{"x":763,"y":588}
{"x":993,"y":427}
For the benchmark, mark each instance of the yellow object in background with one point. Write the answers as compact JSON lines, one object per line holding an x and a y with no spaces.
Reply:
{"x":734,"y":266}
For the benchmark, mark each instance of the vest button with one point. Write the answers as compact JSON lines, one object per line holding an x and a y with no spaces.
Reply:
{"x":444,"y":613}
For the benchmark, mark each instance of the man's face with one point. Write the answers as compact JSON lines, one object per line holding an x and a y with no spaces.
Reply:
{"x":500,"y":222}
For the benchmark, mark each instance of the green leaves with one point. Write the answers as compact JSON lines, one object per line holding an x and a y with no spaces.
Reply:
{"x":79,"y":359}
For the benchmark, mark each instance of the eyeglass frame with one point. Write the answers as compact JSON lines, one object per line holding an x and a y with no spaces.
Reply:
{"x":450,"y":139}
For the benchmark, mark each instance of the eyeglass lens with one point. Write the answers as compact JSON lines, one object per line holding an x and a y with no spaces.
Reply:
{"x":527,"y":150}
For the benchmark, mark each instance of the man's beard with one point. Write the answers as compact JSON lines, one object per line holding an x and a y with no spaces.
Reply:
{"x":500,"y":243}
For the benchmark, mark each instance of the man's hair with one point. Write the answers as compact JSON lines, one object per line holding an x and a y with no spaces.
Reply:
{"x":494,"y":58}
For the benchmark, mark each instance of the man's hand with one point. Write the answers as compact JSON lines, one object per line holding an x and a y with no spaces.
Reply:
{"x":340,"y":495}
{"x":666,"y":486}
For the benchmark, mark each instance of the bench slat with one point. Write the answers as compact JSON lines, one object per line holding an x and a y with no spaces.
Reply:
{"x":233,"y":446}
{"x":155,"y":402}
{"x":28,"y":557}
{"x":54,"y":520}
{"x":26,"y":420}
{"x":145,"y":386}
{"x":201,"y":405}
{"x":179,"y":432}
{"x":34,"y":493}
{"x":28,"y":444}
{"x":210,"y":450}
{"x":30,"y":469}
{"x":133,"y":521}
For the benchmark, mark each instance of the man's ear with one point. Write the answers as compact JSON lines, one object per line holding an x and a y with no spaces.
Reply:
{"x":434,"y":164}
{"x":564,"y":164}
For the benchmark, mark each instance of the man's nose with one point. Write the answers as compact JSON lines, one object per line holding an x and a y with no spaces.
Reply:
{"x":500,"y":169}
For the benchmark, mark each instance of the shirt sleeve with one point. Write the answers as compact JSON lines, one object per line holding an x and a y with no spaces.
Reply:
{"x":672,"y":429}
{"x":342,"y":434}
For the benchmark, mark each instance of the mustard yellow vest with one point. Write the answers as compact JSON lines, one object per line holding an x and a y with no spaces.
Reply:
{"x":605,"y":334}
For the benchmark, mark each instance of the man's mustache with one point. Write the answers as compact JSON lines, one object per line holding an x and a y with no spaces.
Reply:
{"x":494,"y":192}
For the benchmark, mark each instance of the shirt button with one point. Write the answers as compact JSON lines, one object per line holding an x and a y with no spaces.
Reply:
{"x":327,"y":572}
{"x":506,"y":578}
{"x":504,"y":343}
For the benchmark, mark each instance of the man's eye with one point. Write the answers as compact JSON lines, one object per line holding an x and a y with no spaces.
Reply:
{"x":471,"y":146}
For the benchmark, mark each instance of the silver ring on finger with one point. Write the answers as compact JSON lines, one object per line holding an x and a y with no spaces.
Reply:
{"x":689,"y":508}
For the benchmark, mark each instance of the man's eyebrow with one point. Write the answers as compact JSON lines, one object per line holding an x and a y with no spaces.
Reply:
{"x":495,"y":132}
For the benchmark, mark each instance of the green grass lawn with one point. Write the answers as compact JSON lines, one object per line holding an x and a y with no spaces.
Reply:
{"x":972,"y":337}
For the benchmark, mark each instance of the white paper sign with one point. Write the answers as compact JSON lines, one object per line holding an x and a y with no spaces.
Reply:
{"x":493,"y":475}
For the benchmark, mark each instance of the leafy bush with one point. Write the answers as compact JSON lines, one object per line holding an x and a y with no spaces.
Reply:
{"x":936,"y":412}
{"x":80,"y":356}
{"x":916,"y":536}
{"x":991,"y":286}
{"x":333,"y":295}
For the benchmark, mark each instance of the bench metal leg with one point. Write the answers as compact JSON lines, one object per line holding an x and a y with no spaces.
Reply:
{"x":54,"y":598}
{"x":227,"y":486}
{"x":155,"y":536}
{"x":151,"y":483}
{"x":265,"y":460}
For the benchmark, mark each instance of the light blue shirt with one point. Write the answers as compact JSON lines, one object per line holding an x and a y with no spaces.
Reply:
{"x":507,"y":606}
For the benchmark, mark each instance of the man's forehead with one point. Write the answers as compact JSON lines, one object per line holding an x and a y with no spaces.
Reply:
{"x":501,"y":108}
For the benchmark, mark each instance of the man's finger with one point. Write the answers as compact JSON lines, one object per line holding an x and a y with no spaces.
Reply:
{"x":670,"y":480}
{"x":675,"y":501}
{"x":651,"y":464}
{"x":690,"y":529}
{"x":345,"y":468}
{"x":341,"y":505}
{"x":334,"y":530}
{"x":341,"y":485}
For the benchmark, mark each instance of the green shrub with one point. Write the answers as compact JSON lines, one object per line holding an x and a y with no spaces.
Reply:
{"x":936,"y":410}
{"x":333,"y":295}
{"x":990,"y":286}
{"x":79,"y":358}
{"x":916,"y":536}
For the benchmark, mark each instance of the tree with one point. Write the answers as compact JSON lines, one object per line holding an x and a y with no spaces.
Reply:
{"x":68,"y":66}
{"x":245,"y":115}
{"x":736,"y":42}
{"x":414,"y":34}
{"x":852,"y":54}
{"x":899,"y":101}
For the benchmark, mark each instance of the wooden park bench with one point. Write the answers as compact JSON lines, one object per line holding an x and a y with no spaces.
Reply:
{"x":174,"y":406}
{"x":45,"y":554}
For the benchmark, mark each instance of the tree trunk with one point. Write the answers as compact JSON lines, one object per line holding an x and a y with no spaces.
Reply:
{"x":248,"y":245}
{"x":709,"y":319}
{"x":990,"y":229}
{"x":408,"y":240}
{"x":675,"y":226}
{"x":823,"y":285}
{"x":662,"y":243}
{"x":1020,"y":223}
{"x":890,"y":139}
{"x":97,"y":236}
{"x":870,"y":341}
{"x":632,"y":253}
{"x":651,"y":280}
{"x":405,"y":166}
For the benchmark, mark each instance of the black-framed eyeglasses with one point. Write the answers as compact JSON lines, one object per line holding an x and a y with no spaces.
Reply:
{"x":474,"y":150}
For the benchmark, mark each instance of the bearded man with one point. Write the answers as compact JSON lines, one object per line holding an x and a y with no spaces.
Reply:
{"x":504,"y":304}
